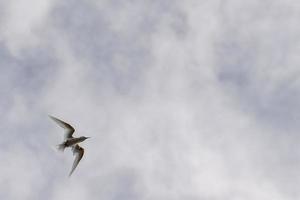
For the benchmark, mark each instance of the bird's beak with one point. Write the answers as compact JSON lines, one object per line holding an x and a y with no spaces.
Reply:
{"x":88,"y":137}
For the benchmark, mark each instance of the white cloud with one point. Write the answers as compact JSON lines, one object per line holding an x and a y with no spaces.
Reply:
{"x":22,"y":22}
{"x":148,"y":86}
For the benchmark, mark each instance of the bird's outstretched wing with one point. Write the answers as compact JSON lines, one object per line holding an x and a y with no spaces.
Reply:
{"x":69,"y":130}
{"x":78,"y":151}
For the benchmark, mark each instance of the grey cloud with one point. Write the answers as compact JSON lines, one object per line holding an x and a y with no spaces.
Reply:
{"x":255,"y":63}
{"x":254,"y":59}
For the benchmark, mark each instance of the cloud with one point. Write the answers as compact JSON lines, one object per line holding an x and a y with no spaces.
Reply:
{"x":258,"y":60}
{"x":183,"y":100}
{"x":21,"y":23}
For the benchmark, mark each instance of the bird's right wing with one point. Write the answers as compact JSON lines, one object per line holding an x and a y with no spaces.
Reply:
{"x":78,"y":151}
{"x":68,"y":128}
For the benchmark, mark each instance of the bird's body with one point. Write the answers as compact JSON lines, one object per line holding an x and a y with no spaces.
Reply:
{"x":71,"y":141}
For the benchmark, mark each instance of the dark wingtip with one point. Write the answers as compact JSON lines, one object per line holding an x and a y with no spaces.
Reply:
{"x":71,"y":172}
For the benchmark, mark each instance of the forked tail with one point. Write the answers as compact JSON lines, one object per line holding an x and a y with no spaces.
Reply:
{"x":61,"y":147}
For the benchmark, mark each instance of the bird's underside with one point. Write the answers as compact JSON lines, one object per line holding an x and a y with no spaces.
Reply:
{"x":70,"y":141}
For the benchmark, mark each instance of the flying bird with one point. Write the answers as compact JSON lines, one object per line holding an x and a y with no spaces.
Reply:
{"x":70,"y":141}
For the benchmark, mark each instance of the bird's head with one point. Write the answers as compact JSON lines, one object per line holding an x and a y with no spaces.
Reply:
{"x":84,"y":138}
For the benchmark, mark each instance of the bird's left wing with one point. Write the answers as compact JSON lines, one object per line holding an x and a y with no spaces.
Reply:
{"x":69,"y":129}
{"x":78,"y":151}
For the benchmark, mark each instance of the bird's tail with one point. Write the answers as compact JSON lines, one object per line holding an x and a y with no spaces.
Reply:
{"x":61,"y":147}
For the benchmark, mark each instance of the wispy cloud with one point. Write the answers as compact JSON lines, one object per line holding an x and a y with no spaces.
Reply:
{"x":182,"y":99}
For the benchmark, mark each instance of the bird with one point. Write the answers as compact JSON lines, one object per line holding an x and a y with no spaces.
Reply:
{"x":70,"y":142}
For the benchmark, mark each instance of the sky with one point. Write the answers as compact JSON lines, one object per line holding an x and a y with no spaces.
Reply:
{"x":182,"y":99}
